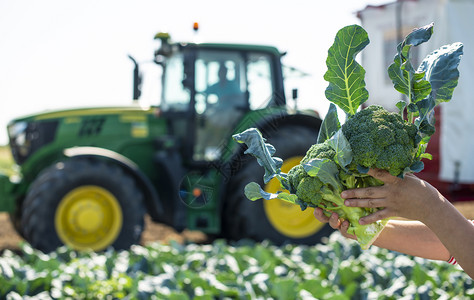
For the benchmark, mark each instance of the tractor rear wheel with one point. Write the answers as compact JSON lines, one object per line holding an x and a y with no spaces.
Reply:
{"x":274,"y":220}
{"x":84,"y":204}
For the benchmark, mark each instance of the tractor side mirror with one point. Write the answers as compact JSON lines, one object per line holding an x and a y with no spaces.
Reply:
{"x":137,"y":80}
{"x":294,"y":94}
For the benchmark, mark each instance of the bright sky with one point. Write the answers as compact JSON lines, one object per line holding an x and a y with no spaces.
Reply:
{"x":68,"y":53}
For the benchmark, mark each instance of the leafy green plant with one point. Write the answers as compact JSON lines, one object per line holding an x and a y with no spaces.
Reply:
{"x":337,"y":269}
{"x":370,"y":138}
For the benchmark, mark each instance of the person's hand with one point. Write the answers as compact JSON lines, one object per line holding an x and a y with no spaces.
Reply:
{"x":410,"y":197}
{"x":334,"y":221}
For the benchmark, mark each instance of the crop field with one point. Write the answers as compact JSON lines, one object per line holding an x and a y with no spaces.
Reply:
{"x":336,"y":269}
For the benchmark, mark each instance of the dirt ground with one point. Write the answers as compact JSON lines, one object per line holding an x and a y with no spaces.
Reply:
{"x":154,"y":232}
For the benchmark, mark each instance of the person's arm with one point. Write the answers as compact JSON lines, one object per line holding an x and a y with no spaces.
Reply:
{"x":409,"y":237}
{"x":415,"y":199}
{"x":412,"y":238}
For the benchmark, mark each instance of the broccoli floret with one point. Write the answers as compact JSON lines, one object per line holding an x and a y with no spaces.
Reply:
{"x":321,"y":151}
{"x":295,"y":175}
{"x":309,"y":190}
{"x":381,"y":139}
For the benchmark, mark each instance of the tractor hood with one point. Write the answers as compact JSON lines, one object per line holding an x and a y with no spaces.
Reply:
{"x":99,"y":126}
{"x":78,"y":112}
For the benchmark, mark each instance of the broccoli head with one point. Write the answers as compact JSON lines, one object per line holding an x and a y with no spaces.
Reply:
{"x":308,"y":188}
{"x":381,"y":139}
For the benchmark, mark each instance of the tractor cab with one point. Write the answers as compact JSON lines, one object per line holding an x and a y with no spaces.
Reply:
{"x":208,"y":88}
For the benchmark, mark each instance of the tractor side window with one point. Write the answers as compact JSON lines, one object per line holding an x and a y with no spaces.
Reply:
{"x":259,"y":78}
{"x":175,"y":96}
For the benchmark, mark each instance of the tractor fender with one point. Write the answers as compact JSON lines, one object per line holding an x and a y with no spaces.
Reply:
{"x":298,"y":119}
{"x":152,"y":201}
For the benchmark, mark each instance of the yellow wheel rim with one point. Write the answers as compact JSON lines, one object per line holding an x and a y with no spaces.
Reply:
{"x":88,"y":217}
{"x":288,"y":218}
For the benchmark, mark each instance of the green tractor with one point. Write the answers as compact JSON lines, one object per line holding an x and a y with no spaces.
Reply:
{"x":87,"y":177}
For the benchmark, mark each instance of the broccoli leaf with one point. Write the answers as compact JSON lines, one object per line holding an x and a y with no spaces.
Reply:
{"x":263,"y":153}
{"x":330,"y":124}
{"x":343,"y":150}
{"x":326,"y":170}
{"x":254,"y":192}
{"x":345,"y":76}
{"x":441,"y":70}
{"x":401,"y":105}
{"x":401,"y":71}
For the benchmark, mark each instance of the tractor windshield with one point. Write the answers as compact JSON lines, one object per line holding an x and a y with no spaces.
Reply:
{"x":225,"y":78}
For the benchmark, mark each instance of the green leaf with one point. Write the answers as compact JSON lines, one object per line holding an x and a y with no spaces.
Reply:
{"x":362,"y":170}
{"x":263,"y":153}
{"x":254,"y":192}
{"x":325,"y":169}
{"x":426,"y":123}
{"x":343,"y":150}
{"x":404,"y":77}
{"x":417,"y":167}
{"x":345,"y":76}
{"x":330,"y":124}
{"x":441,"y":70}
{"x":401,"y":105}
{"x":284,"y":288}
{"x":427,"y":156}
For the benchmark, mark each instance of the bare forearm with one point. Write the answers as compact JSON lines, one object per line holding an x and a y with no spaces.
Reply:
{"x":412,"y":238}
{"x":454,"y":231}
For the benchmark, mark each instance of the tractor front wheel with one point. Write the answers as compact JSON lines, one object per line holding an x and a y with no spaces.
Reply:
{"x":84,"y":204}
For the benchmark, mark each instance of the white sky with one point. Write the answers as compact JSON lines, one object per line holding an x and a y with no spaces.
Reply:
{"x":68,"y":53}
